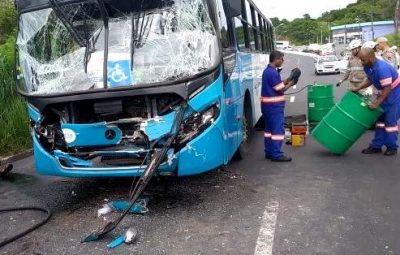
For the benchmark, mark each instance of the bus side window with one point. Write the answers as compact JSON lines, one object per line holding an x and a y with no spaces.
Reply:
{"x":249,"y":18}
{"x":262,"y":33}
{"x":223,"y":26}
{"x":239,"y":31}
{"x":271,"y":36}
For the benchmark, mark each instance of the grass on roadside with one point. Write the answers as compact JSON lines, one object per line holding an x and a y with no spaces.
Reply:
{"x":14,"y":125}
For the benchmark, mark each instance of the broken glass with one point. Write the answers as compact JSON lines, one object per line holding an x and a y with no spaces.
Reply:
{"x":61,"y":49}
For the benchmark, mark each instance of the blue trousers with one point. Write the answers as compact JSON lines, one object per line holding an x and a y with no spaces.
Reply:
{"x":386,"y":130}
{"x":274,"y":132}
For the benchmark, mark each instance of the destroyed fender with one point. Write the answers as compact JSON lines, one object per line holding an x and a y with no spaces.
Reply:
{"x":47,"y":164}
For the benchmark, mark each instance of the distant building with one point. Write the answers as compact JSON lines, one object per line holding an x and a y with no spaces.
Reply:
{"x":365,"y":31}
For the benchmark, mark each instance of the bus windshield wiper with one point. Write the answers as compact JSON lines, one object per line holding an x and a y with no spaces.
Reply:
{"x":60,"y":14}
{"x":136,"y":34}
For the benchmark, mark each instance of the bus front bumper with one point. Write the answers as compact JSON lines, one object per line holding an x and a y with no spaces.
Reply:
{"x":203,"y":153}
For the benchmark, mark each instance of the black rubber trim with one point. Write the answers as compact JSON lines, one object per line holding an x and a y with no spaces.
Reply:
{"x":184,"y":90}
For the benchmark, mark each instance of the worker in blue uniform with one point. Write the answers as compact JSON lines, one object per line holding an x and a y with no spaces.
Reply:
{"x":273,"y":104}
{"x":386,"y":80}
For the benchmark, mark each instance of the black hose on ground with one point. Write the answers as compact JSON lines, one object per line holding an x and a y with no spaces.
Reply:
{"x":30,"y":208}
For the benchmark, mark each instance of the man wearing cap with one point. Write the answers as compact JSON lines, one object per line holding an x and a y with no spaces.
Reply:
{"x":386,"y":52}
{"x":355,"y":70}
{"x":386,"y":80}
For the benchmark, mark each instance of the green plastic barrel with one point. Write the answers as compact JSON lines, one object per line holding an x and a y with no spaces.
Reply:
{"x":345,"y":123}
{"x":320,"y":101}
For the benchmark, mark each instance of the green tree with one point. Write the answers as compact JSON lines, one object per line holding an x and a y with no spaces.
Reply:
{"x":306,"y":30}
{"x":7,"y":19}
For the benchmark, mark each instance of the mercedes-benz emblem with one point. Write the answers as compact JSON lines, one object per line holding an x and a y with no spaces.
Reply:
{"x":110,"y":134}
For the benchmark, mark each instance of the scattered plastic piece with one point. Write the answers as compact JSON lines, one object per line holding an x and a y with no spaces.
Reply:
{"x":140,"y":207}
{"x":128,"y":238}
{"x":104,"y":211}
{"x":130,"y":235}
{"x":116,"y":242}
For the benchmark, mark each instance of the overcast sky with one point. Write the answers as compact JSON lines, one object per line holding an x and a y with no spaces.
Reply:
{"x":291,"y":9}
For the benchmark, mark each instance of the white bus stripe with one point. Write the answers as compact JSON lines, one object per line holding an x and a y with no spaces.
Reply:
{"x":266,"y":235}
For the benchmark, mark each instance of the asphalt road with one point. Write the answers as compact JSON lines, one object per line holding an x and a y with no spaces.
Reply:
{"x":318,"y":204}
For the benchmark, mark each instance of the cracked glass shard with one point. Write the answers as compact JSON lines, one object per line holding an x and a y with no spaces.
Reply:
{"x":62,"y":49}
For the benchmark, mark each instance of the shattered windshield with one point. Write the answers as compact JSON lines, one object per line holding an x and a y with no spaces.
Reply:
{"x":62,"y":48}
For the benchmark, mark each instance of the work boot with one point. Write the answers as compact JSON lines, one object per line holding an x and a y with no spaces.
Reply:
{"x":281,"y":159}
{"x":390,"y":152}
{"x":371,"y":150}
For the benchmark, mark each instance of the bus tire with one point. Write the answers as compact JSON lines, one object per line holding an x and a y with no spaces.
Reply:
{"x":244,"y":147}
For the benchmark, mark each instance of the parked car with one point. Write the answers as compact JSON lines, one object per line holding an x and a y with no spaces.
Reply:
{"x":327,"y":64}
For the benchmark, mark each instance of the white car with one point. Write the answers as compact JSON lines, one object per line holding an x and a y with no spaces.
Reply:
{"x":327,"y":64}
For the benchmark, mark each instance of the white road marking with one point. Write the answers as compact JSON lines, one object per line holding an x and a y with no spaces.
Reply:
{"x":292,"y":99}
{"x":266,"y":235}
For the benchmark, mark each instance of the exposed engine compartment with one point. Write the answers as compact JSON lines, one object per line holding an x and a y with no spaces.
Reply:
{"x":105,"y":132}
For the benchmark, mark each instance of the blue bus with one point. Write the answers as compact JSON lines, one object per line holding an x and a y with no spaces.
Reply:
{"x":107,"y":82}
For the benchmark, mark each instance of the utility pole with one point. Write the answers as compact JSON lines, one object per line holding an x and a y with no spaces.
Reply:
{"x":372,"y":27}
{"x":330,"y":31}
{"x":397,"y":17}
{"x":360,"y":34}
{"x":372,"y":19}
{"x":321,"y":36}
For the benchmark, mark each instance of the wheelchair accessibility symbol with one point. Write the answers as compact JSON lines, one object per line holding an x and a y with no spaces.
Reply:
{"x":119,"y":73}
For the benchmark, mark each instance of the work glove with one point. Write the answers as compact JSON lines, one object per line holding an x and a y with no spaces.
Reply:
{"x":294,"y":75}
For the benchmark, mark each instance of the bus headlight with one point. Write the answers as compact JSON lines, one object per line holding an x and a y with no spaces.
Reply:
{"x":197,"y":123}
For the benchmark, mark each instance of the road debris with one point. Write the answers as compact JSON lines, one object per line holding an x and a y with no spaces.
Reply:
{"x":156,"y":158}
{"x":128,"y":238}
{"x":116,"y":242}
{"x":130,"y":235}
{"x":4,"y":171}
{"x":140,"y":207}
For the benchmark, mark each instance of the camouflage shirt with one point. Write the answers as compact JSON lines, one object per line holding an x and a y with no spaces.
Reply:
{"x":355,"y":71}
{"x":389,"y":56}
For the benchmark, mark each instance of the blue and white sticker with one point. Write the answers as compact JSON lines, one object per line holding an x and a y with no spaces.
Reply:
{"x":119,"y":73}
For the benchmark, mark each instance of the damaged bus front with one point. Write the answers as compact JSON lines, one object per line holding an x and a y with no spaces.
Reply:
{"x":105,"y":81}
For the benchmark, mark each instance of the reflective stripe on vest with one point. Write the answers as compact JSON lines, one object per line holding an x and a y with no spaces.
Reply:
{"x":271,"y":100}
{"x":380,"y":125}
{"x":396,"y":82}
{"x":386,"y":82}
{"x":280,"y":86}
{"x":278,"y":137}
{"x":392,"y":129}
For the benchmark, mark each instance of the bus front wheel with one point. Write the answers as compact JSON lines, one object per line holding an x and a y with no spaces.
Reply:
{"x":244,"y":147}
